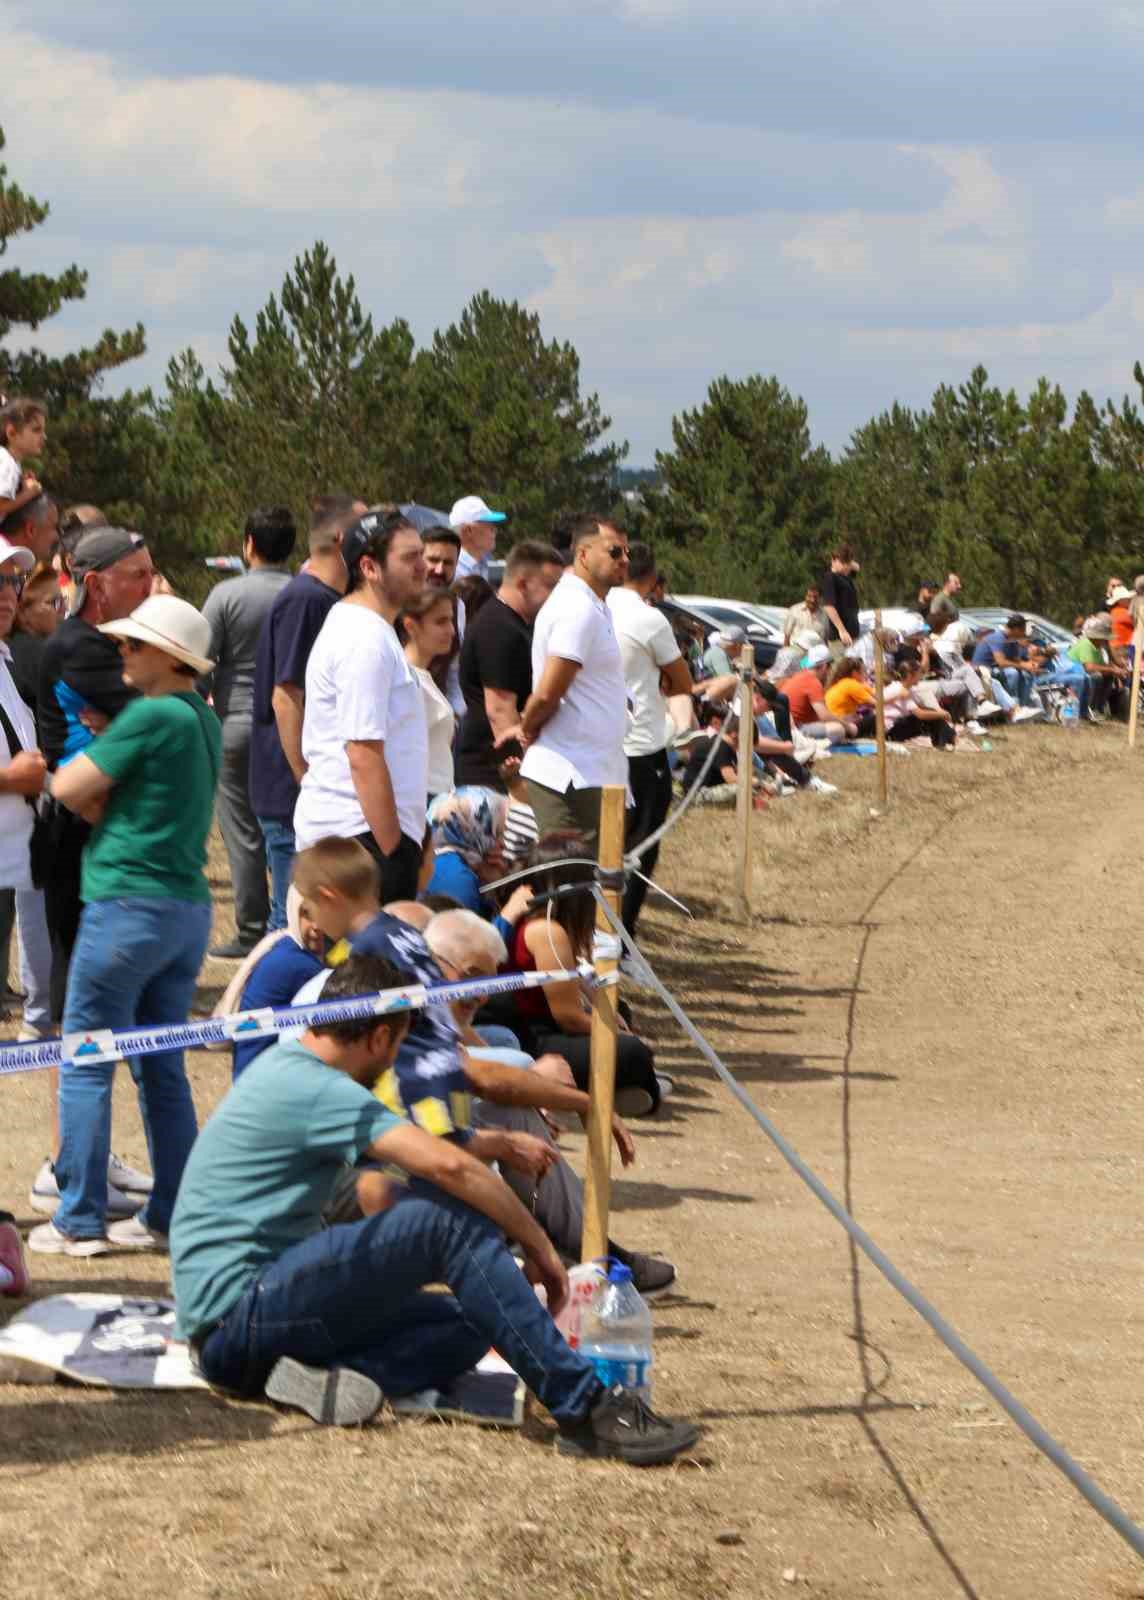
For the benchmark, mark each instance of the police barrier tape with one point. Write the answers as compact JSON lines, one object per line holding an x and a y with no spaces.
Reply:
{"x":107,"y":1046}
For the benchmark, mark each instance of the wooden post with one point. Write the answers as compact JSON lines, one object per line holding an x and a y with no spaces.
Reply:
{"x":744,"y":798}
{"x":602,"y":1082}
{"x":1137,"y":648}
{"x":880,"y":712}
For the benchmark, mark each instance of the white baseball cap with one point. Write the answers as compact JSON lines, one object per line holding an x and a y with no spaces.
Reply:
{"x":471,"y":508}
{"x":16,"y":552}
{"x":817,"y":655}
{"x":171,"y":625}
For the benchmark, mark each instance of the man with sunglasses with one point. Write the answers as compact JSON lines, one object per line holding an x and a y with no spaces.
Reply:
{"x":364,"y":737}
{"x":574,"y":723}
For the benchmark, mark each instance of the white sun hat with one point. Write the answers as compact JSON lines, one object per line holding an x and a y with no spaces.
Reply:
{"x":16,"y":552}
{"x":171,"y":625}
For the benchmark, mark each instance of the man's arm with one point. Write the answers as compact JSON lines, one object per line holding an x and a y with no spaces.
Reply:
{"x":675,"y":678}
{"x":288,"y":703}
{"x":463,"y":1176}
{"x":555,"y":681}
{"x":510,"y":1086}
{"x":370,"y":773}
{"x":840,"y":627}
{"x":502,"y":710}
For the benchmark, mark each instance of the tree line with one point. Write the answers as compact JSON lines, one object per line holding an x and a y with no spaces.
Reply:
{"x":1032,"y":502}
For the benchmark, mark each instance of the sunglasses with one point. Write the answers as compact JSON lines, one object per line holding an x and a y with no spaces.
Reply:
{"x":12,"y":580}
{"x":616,"y":551}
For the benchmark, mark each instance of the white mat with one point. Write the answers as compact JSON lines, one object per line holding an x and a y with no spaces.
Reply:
{"x":101,"y":1339}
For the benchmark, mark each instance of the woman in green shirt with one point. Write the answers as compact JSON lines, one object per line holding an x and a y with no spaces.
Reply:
{"x":147,"y":784}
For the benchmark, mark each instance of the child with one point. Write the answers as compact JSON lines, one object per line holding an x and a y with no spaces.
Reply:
{"x":23,"y":426}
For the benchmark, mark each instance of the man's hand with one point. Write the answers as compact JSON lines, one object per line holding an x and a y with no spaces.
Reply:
{"x":24,"y":774}
{"x":625,"y":1144}
{"x":545,"y":1267}
{"x":516,"y":732}
{"x":555,"y":1069}
{"x":526,"y":1153}
{"x":94,"y":721}
{"x":845,"y":635}
{"x":159,"y":584}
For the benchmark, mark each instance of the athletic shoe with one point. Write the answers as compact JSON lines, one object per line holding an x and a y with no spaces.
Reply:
{"x":1027,"y":714}
{"x":820,"y":786}
{"x":132,"y":1234}
{"x":338,"y":1396}
{"x":633,"y":1102}
{"x":47,"y":1240}
{"x":974,"y":727}
{"x":13,"y":1267}
{"x":666,"y":1085}
{"x":234,"y":950}
{"x":623,"y":1427}
{"x":650,"y":1274}
{"x":129,"y":1179}
{"x":987,"y":709}
{"x":44,"y":1196}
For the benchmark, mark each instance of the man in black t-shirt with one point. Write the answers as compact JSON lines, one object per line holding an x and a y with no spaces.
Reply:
{"x":840,"y":601}
{"x":496,"y":661}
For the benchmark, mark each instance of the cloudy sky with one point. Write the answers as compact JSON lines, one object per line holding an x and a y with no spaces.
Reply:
{"x":865,"y":199}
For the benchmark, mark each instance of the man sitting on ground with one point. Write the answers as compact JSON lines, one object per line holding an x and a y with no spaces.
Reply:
{"x":333,"y":1320}
{"x":805,"y":694}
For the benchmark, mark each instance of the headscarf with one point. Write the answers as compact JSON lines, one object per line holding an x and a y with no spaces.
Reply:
{"x":468,"y":821}
{"x":232,"y":994}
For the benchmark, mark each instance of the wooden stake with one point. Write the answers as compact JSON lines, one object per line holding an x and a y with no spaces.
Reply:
{"x":1137,"y":647}
{"x":744,"y":797}
{"x":880,"y":712}
{"x":602,"y":1082}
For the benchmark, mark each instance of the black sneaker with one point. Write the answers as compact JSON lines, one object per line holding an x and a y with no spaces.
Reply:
{"x":236,"y":950}
{"x":650,"y":1274}
{"x":623,"y":1427}
{"x":338,"y":1396}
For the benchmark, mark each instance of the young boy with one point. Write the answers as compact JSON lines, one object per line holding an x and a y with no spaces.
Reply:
{"x":23,"y":425}
{"x":333,"y":1320}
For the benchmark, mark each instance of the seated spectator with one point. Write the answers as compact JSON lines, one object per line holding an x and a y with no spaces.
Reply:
{"x":721,"y":646}
{"x":271,"y":976}
{"x":946,"y":649}
{"x":1106,"y":679}
{"x":778,"y":756}
{"x":468,"y":831}
{"x":557,"y":1019}
{"x":247,"y":1234}
{"x":848,"y":695}
{"x":805,"y":693}
{"x":1123,"y":625}
{"x":721,"y":777}
{"x":425,"y":628}
{"x":907,"y":717}
{"x":792,"y":656}
{"x":807,"y":617}
{"x":1005,"y":652}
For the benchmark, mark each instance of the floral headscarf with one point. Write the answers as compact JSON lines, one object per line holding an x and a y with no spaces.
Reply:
{"x":469,"y":821}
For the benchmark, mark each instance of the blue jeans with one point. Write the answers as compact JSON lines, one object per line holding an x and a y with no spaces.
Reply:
{"x":279,"y":837}
{"x":135,"y":964}
{"x":350,"y":1296}
{"x":1019,"y":684}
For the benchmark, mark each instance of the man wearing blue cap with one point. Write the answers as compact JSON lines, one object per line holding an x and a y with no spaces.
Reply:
{"x":476,"y":527}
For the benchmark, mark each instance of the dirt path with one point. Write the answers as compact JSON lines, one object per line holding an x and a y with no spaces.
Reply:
{"x":940,"y":1011}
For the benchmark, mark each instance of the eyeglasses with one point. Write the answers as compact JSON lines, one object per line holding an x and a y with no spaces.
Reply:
{"x":12,"y":580}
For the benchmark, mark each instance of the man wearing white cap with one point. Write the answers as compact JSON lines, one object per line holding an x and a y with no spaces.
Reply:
{"x":806,"y":696}
{"x":476,"y":527}
{"x":147,"y":785}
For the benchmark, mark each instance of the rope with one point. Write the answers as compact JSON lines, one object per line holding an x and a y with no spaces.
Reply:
{"x":1102,"y":1503}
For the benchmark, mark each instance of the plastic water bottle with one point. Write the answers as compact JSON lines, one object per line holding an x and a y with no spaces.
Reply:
{"x":1070,"y":710}
{"x":584,"y":1283}
{"x":615,"y":1333}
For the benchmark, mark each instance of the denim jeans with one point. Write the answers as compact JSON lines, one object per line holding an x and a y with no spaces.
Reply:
{"x":279,"y":837}
{"x":135,"y":964}
{"x":1018,"y":684}
{"x":35,"y":959}
{"x":350,"y":1296}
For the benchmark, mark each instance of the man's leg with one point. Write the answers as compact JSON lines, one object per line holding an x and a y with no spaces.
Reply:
{"x":35,"y":960}
{"x":314,"y":1304}
{"x":556,"y":1200}
{"x":650,"y":779}
{"x":62,"y":903}
{"x":278,"y":837}
{"x":165,"y":1101}
{"x":834,"y":731}
{"x":554,"y":812}
{"x":241,"y":834}
{"x":7,"y":923}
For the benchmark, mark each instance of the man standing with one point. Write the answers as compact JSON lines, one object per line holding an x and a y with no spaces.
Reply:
{"x":236,"y":610}
{"x":364,"y":739}
{"x":807,"y":617}
{"x":476,"y":527}
{"x":496,"y":661}
{"x":35,"y":526}
{"x":575,"y":720}
{"x":292,"y":624}
{"x":653,"y":664}
{"x":840,"y":601}
{"x":945,"y":601}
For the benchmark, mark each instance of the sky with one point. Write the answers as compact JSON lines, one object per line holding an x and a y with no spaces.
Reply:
{"x":865,"y":200}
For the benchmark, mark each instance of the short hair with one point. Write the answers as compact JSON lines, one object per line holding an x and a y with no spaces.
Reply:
{"x":272,"y":531}
{"x":641,"y":561}
{"x":76,"y":521}
{"x":360,"y":975}
{"x":842,"y":552}
{"x":451,"y":933}
{"x":330,"y":514}
{"x":19,"y":411}
{"x":29,"y":515}
{"x":531,"y":553}
{"x":1016,"y":622}
{"x":584,"y":528}
{"x":339,"y":864}
{"x":372,"y":535}
{"x":439,"y":534}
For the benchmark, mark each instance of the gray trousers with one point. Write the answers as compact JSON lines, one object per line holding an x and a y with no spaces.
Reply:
{"x":245,"y":847}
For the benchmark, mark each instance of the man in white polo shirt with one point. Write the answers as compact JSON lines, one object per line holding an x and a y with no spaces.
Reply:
{"x":364,"y":737}
{"x":574,"y":723}
{"x":476,"y":527}
{"x":650,"y":655}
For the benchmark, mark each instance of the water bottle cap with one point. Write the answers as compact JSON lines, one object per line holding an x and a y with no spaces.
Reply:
{"x":618,"y":1273}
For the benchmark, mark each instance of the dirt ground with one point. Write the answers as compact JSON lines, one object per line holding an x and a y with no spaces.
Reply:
{"x":940,"y":1009}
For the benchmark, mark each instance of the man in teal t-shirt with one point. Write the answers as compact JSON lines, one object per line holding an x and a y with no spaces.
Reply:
{"x":148,"y":786}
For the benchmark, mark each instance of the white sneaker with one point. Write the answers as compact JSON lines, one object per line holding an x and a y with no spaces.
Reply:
{"x":47,"y":1240}
{"x":44,"y":1196}
{"x":133,"y":1234}
{"x":1027,"y":714}
{"x":987,"y":709}
{"x":129,"y":1179}
{"x":974,"y":727}
{"x":820,"y":786}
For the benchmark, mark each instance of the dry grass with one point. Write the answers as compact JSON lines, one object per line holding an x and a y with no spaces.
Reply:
{"x":909,"y":1008}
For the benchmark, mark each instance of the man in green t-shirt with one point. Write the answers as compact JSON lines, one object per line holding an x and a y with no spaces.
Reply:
{"x":148,"y":786}
{"x":1103,"y":678}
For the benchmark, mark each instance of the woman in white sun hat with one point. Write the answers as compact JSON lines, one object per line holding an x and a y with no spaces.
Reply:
{"x":148,"y":786}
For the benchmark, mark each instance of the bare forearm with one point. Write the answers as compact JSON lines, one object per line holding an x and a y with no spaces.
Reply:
{"x":487,"y":1192}
{"x":288,"y":704}
{"x":370,"y":773}
{"x":509,"y":1086}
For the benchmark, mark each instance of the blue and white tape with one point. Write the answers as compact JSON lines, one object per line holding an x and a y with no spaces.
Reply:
{"x":284,"y":1021}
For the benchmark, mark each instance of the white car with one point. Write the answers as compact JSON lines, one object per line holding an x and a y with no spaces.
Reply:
{"x":764,"y":622}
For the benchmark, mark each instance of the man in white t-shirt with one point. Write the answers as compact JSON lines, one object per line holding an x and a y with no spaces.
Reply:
{"x":364,"y":736}
{"x":574,"y":723}
{"x":652,"y":662}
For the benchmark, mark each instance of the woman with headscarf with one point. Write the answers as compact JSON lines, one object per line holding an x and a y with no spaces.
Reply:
{"x":468,"y":828}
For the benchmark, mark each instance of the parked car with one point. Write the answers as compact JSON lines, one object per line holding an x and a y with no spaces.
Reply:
{"x":766,"y":648}
{"x":1040,"y":628}
{"x":764,"y":621}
